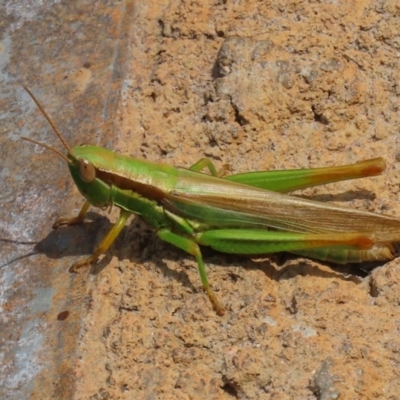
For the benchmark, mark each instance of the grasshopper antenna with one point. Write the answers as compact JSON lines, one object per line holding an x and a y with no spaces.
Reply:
{"x":48,"y":148}
{"x":58,"y":133}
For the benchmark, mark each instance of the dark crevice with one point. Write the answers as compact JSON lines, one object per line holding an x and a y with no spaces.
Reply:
{"x":373,"y":290}
{"x":230,"y":389}
{"x":319,"y":117}
{"x":238,"y":117}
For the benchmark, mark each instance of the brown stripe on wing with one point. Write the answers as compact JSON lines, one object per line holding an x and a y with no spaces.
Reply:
{"x":295,"y":214}
{"x":124,"y":183}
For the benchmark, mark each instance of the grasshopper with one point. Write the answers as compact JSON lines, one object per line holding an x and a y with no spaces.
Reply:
{"x":245,"y":213}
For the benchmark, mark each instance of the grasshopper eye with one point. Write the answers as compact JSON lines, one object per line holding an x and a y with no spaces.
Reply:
{"x":86,"y":171}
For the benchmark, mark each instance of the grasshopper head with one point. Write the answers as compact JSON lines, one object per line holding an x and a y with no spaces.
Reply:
{"x":83,"y":162}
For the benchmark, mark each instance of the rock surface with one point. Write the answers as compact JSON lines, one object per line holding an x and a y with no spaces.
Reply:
{"x":258,"y":86}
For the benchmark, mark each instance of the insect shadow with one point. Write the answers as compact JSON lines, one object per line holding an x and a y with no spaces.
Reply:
{"x":138,"y":243}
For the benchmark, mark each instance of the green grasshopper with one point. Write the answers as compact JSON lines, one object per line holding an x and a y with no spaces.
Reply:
{"x":239,"y":214}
